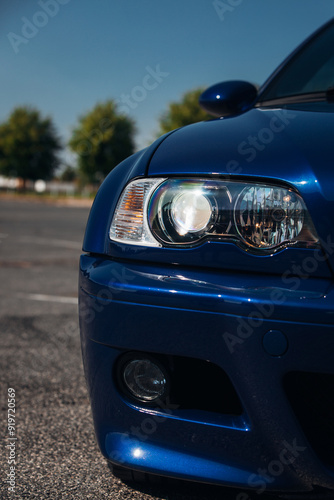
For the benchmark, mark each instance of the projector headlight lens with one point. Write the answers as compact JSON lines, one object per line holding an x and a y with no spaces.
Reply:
{"x":191,"y":212}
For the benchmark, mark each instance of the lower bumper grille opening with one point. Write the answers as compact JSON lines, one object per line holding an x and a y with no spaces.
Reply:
{"x":311,"y":396}
{"x":202,"y":385}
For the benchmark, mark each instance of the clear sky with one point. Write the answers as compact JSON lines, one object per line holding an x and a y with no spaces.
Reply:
{"x":64,"y":56}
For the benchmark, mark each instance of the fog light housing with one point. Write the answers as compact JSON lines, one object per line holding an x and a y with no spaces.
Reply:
{"x":144,"y":379}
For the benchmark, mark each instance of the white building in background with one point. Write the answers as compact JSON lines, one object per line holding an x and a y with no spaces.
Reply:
{"x":6,"y":183}
{"x":55,"y":188}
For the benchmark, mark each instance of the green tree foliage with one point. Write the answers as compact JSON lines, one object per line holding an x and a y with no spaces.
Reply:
{"x":69,"y":174}
{"x":28,"y":145}
{"x":183,"y":113}
{"x":102,"y":139}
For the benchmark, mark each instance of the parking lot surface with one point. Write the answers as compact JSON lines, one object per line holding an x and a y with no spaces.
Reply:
{"x":56,"y":455}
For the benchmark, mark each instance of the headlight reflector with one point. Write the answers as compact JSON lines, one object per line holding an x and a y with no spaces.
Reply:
{"x":268,"y":216}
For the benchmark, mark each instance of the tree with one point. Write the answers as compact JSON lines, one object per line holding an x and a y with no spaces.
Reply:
{"x":28,"y":145}
{"x":183,"y":113}
{"x":69,"y":174}
{"x":102,"y":139}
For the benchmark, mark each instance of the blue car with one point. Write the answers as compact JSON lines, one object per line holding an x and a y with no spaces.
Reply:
{"x":206,"y":291}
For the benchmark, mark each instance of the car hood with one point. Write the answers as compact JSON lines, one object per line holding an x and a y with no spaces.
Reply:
{"x":290,"y":145}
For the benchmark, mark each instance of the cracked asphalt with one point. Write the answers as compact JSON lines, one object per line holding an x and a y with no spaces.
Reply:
{"x":56,"y":455}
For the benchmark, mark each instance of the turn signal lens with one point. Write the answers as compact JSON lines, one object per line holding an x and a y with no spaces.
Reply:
{"x":129,"y":224}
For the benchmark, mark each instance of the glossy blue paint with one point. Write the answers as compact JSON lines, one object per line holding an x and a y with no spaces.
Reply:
{"x":275,"y":343}
{"x":131,"y":306}
{"x":228,"y":98}
{"x":173,"y":462}
{"x":257,"y":319}
{"x":210,"y":291}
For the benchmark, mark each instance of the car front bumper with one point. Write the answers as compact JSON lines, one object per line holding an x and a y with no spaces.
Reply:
{"x":274,"y":340}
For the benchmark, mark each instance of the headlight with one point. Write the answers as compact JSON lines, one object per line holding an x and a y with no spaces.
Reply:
{"x":186,"y":212}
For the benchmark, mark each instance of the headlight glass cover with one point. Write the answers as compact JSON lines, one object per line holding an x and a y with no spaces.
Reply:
{"x":178,"y":212}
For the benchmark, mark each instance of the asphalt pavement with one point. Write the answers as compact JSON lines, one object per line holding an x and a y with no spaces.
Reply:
{"x":50,"y":451}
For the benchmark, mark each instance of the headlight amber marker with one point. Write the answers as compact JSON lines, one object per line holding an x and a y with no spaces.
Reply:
{"x":129,"y":224}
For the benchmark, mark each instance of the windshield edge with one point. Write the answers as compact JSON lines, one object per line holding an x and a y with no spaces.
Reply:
{"x":287,"y":61}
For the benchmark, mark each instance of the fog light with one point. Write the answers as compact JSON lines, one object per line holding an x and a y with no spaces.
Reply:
{"x":144,"y":379}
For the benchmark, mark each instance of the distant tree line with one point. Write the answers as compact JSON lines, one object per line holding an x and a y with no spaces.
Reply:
{"x":102,"y":138}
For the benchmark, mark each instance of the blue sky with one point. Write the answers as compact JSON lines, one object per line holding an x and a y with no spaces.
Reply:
{"x":64,"y":56}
